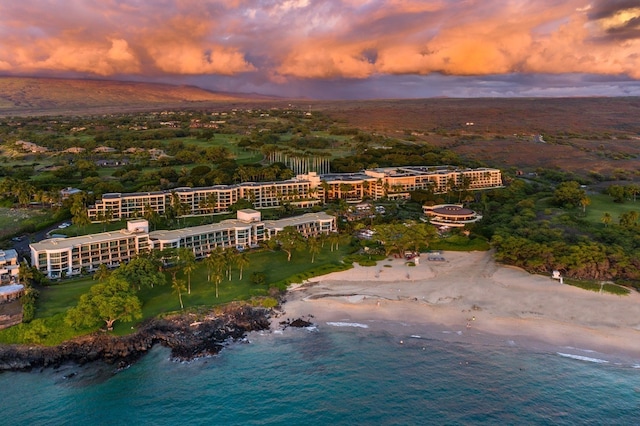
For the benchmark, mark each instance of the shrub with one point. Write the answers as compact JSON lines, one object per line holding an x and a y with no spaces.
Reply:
{"x":258,"y":278}
{"x":29,"y":305}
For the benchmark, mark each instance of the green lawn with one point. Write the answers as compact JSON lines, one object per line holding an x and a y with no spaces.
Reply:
{"x":274,"y":265}
{"x":59,"y":297}
{"x":460,"y":243}
{"x":598,"y":286}
{"x":49,"y":327}
{"x":227,"y":141}
{"x":601,"y":204}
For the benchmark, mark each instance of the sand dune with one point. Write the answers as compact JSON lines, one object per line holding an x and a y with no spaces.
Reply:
{"x":470,"y":292}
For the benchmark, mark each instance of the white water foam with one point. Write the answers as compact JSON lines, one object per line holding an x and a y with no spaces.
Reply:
{"x":580,"y":349}
{"x":583,"y":358}
{"x":348,"y":324}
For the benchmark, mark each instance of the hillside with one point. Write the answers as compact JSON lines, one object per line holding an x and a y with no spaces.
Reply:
{"x":582,"y":135}
{"x":588,"y":136}
{"x":36,"y":96}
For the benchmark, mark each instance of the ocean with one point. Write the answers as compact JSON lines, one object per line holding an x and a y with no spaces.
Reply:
{"x":339,"y":374}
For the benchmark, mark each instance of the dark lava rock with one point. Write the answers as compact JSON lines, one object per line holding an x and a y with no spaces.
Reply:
{"x":298,"y":322}
{"x":189,"y":336}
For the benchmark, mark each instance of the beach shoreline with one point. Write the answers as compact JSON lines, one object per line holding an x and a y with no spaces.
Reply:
{"x":469,"y":297}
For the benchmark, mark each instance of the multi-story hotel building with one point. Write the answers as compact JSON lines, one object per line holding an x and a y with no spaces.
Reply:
{"x":188,"y":201}
{"x":245,"y":231}
{"x":302,"y":191}
{"x":57,"y":257}
{"x":398,"y":182}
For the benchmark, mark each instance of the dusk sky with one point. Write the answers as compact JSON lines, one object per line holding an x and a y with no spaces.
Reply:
{"x":335,"y":49}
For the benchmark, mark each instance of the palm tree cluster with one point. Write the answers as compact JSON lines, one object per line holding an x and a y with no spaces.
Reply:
{"x":23,"y":192}
{"x":220,"y":263}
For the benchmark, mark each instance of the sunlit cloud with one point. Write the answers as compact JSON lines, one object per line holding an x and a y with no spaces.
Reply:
{"x":280,"y":41}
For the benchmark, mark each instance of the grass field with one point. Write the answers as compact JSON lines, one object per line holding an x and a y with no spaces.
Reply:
{"x":13,"y":220}
{"x":49,"y":327}
{"x":460,"y":243}
{"x":601,"y":204}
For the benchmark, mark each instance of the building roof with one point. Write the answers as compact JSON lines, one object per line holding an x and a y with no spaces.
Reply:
{"x":65,"y":243}
{"x":176,"y":234}
{"x":297,"y":220}
{"x":8,"y":254}
{"x":347,"y":177}
{"x":452,"y":210}
{"x":10,"y":289}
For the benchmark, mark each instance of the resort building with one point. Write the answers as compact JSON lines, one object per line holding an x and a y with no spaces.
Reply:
{"x":60,"y":257}
{"x":398,"y":182}
{"x":452,"y":215}
{"x":244,"y":232}
{"x":303,"y":191}
{"x":186,"y":201}
{"x":9,"y":266}
{"x":309,"y":224}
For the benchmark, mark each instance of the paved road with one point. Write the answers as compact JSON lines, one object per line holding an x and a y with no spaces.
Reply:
{"x":22,"y":246}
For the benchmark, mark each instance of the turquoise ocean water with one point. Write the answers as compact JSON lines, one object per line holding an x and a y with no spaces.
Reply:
{"x":338,"y":374}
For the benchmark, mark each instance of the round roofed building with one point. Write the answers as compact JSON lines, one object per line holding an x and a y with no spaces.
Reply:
{"x":450,"y":215}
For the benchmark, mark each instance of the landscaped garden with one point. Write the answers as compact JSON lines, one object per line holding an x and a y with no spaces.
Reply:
{"x":274,"y":270}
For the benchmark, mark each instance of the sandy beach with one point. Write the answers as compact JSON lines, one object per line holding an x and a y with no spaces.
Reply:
{"x":470,"y":295}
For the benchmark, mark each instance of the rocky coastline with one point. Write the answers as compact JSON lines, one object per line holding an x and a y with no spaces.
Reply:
{"x":189,"y":336}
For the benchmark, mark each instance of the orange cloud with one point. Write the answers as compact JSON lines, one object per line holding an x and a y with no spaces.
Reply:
{"x":322,"y":40}
{"x":187,"y":59}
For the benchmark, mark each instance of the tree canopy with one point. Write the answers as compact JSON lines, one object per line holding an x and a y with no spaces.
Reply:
{"x":569,"y":193}
{"x":142,"y":271}
{"x":289,"y":239}
{"x":399,"y":237}
{"x":106,"y":302}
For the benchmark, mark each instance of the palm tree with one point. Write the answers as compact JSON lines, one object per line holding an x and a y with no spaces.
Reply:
{"x":229,"y":258}
{"x":188,"y":262}
{"x":102,"y":273}
{"x":24,"y":192}
{"x":150,"y":215}
{"x":210,"y":262}
{"x":606,"y":219}
{"x":325,"y":189}
{"x":217,"y":275}
{"x":216,"y":265}
{"x":81,"y":217}
{"x":178,"y":288}
{"x":313,"y":245}
{"x":584,"y":202}
{"x":242,"y":260}
{"x":334,"y":239}
{"x":212,"y":202}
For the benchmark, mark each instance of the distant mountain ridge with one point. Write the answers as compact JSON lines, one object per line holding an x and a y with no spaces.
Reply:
{"x":33,"y":95}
